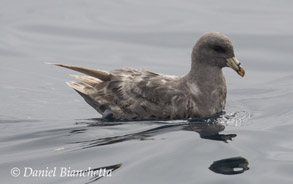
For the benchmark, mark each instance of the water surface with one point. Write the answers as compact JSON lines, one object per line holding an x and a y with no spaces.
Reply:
{"x":46,"y":125}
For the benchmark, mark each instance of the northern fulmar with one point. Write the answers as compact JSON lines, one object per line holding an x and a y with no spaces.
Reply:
{"x":129,"y":94}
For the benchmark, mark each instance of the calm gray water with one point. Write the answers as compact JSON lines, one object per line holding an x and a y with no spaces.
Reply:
{"x":45,"y":125}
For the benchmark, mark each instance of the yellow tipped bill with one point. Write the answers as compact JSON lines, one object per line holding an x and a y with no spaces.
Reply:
{"x":235,"y":65}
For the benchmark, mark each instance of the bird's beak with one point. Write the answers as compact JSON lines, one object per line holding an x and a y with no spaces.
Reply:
{"x":235,"y":65}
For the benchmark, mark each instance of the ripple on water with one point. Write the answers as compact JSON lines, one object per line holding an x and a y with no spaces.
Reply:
{"x":239,"y":118}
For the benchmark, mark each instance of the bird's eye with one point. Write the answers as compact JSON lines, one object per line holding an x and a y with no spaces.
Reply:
{"x":218,"y":48}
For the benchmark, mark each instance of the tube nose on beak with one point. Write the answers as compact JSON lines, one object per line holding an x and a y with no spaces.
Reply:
{"x":235,"y":65}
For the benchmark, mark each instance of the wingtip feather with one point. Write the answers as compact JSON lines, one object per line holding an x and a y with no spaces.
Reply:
{"x":56,"y":64}
{"x":99,"y":74}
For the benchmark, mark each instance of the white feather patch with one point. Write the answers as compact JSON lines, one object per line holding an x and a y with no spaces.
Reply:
{"x":193,"y":88}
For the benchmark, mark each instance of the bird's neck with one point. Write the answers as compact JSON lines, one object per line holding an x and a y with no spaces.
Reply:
{"x":205,"y":75}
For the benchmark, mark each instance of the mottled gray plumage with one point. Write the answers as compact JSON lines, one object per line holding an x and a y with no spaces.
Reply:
{"x":130,"y":94}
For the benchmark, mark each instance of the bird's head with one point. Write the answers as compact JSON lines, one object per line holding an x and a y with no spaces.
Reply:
{"x":216,"y":49}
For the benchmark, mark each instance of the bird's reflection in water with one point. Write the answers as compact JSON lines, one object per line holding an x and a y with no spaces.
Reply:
{"x":207,"y":130}
{"x":210,"y":131}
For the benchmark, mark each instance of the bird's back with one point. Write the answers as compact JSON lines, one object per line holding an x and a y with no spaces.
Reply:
{"x":137,"y":95}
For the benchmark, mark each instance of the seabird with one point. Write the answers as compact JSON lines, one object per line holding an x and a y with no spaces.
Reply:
{"x":129,"y":94}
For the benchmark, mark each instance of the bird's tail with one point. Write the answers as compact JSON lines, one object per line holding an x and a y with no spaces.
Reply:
{"x":87,"y":86}
{"x":99,"y":74}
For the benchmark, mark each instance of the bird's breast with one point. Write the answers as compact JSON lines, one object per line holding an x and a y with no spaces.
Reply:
{"x":208,"y":99}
